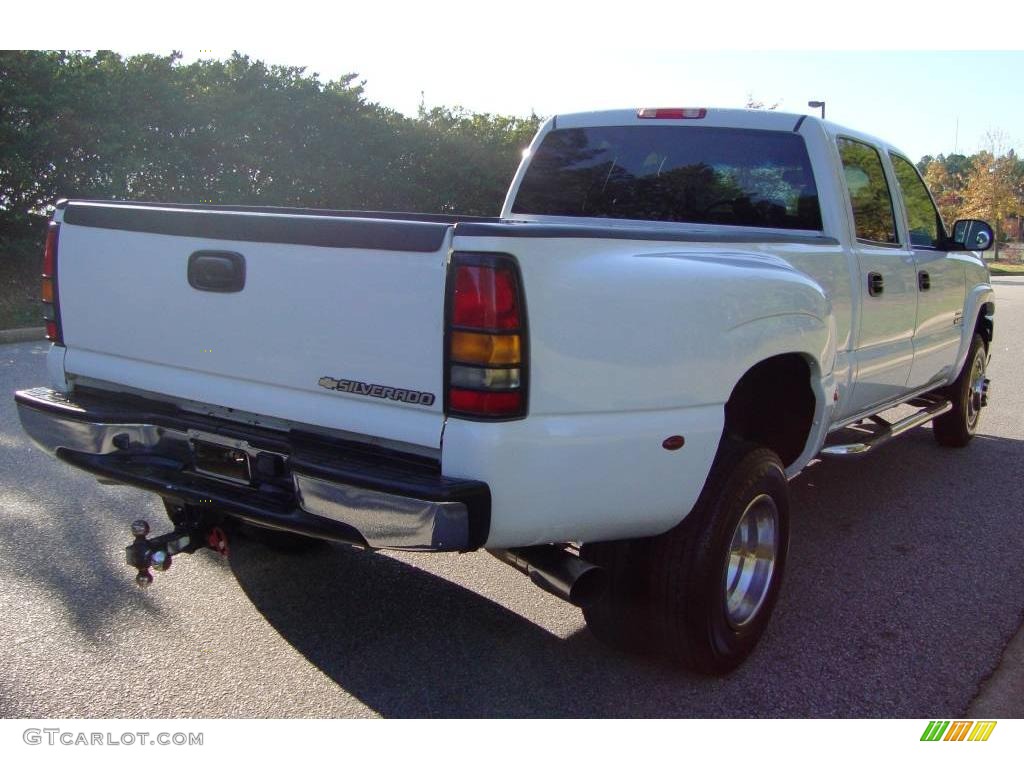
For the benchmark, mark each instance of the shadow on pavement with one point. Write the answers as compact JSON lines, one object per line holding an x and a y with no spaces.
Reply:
{"x":43,"y":548}
{"x":901,"y":587}
{"x":408,"y":643}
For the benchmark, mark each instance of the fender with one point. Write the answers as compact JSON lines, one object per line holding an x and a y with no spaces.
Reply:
{"x":808,"y":328}
{"x":627,"y":331}
{"x":978,"y":297}
{"x":782,"y":311}
{"x":812,"y":338}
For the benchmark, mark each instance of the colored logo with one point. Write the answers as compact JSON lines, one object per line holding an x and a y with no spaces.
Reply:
{"x":958,"y":730}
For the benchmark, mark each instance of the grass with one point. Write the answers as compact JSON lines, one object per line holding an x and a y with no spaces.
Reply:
{"x":1006,"y":267}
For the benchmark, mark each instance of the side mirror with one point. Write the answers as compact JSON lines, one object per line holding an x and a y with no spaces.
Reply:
{"x":972,"y":235}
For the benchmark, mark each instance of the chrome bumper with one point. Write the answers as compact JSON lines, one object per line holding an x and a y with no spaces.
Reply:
{"x":330,"y":495}
{"x":385,"y":520}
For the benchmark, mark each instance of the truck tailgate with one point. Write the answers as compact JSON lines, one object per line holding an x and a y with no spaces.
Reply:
{"x":339,"y":322}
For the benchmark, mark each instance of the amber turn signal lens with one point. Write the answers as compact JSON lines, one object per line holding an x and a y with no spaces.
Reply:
{"x":47,"y":290}
{"x":485,"y":348}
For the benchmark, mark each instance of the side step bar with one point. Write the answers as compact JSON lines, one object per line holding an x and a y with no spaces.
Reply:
{"x":889,"y":430}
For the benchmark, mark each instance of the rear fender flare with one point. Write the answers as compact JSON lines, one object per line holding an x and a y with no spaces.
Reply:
{"x":813,"y":339}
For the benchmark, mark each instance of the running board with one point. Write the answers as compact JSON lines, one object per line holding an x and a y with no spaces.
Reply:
{"x":889,"y":430}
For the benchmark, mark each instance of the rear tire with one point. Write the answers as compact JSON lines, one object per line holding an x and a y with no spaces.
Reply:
{"x":699,"y":594}
{"x":956,"y":427}
{"x":621,"y":617}
{"x":715,"y":577}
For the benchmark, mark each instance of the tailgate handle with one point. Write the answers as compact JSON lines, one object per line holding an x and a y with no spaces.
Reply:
{"x":217,"y":271}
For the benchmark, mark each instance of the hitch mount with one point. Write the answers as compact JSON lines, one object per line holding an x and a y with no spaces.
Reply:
{"x":158,"y":552}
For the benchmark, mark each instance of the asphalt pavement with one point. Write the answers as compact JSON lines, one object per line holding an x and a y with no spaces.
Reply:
{"x":905,"y":585}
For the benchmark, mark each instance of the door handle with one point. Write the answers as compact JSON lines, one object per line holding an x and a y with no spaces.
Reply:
{"x":217,"y":271}
{"x":924,"y":281}
{"x":876,"y":284}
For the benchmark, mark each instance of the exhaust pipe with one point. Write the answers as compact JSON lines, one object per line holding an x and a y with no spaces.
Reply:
{"x":558,"y":571}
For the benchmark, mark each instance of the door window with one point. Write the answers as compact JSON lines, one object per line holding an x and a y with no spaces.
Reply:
{"x":869,"y":192}
{"x":923,"y":217}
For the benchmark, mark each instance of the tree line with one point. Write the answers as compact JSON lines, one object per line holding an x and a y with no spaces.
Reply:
{"x":987,"y":185}
{"x":237,"y":131}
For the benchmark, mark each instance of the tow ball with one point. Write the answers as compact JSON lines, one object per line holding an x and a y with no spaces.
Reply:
{"x":158,"y":553}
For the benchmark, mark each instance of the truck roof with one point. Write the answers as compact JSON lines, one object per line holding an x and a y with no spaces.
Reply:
{"x":763,"y":119}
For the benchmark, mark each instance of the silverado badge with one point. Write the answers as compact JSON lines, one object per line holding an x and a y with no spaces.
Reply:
{"x":377,"y":390}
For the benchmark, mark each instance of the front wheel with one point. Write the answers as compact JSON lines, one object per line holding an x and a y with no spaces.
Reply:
{"x":968,"y":394}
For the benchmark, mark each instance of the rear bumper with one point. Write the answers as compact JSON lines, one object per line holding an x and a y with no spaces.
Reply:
{"x":330,"y":489}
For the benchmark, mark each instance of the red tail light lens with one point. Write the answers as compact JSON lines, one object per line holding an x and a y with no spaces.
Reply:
{"x":485,"y":363}
{"x":485,"y":297}
{"x":470,"y":401}
{"x":48,"y":290}
{"x":50,"y":252}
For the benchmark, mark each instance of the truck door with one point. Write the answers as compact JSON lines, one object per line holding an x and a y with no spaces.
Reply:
{"x":884,"y":348}
{"x":941,"y":281}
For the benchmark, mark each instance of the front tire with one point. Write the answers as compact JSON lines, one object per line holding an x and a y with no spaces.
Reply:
{"x":969,"y":394}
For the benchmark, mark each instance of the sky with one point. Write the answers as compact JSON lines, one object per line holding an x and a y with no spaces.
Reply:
{"x":922,"y":102}
{"x":551,"y":56}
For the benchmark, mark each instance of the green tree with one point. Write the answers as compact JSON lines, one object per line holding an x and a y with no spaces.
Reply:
{"x":98,"y":125}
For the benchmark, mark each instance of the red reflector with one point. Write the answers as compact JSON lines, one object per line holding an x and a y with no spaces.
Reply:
{"x":49,"y":286}
{"x":484,"y":403}
{"x":673,"y":443}
{"x":50,"y":253}
{"x":671,"y":113}
{"x":485,"y":297}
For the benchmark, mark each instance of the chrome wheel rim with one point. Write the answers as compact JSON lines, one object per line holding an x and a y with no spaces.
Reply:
{"x":750,"y":562}
{"x":976,"y":392}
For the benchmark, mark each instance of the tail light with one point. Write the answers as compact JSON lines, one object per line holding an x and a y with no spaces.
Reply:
{"x":486,"y":362}
{"x":49,"y":294}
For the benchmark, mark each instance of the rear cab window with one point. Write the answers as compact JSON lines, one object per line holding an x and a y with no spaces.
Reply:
{"x":870,"y":196}
{"x":700,"y":175}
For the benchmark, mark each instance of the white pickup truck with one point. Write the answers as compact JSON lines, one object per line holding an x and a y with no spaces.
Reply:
{"x":608,"y":386}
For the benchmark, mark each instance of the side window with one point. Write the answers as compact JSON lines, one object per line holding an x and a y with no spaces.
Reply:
{"x":869,"y":192}
{"x":925,"y":224}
